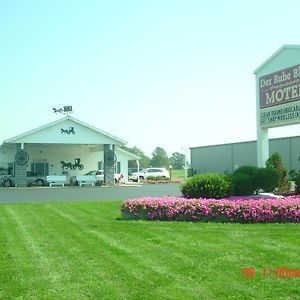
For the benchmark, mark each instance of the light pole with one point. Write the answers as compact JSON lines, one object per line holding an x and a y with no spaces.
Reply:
{"x":185,"y":162}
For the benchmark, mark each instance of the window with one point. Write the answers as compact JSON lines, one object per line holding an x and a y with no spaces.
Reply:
{"x":7,"y":169}
{"x":11,"y":169}
{"x":118,"y":168}
{"x":100,"y":165}
{"x":39,"y":169}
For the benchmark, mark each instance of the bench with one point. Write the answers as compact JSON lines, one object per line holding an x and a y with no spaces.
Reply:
{"x":56,"y":180}
{"x":86,"y":179}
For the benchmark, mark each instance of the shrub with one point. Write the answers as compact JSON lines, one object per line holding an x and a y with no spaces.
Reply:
{"x":242,"y":184}
{"x":206,"y":186}
{"x":243,"y":181}
{"x":248,"y":179}
{"x":297,"y":182}
{"x":275,"y":161}
{"x":266,"y":179}
{"x":247,"y":170}
{"x":293,"y":174}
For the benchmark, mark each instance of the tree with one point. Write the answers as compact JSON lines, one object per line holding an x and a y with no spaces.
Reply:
{"x":144,"y":159}
{"x":275,"y":161}
{"x":159,"y":158}
{"x":177,"y":160}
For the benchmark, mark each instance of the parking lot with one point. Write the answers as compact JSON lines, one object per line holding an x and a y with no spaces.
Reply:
{"x":86,"y":193}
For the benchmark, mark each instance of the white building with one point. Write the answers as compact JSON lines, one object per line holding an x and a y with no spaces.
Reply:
{"x":64,"y":147}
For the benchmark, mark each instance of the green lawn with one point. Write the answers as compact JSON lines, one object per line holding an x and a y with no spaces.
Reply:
{"x":82,"y":250}
{"x":178,"y":174}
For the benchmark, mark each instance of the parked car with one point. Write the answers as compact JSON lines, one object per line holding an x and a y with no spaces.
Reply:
{"x":150,"y":172}
{"x":99,"y":177}
{"x":9,"y":180}
{"x":134,"y":170}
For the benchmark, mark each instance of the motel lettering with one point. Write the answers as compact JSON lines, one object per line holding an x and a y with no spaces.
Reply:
{"x":280,"y":87}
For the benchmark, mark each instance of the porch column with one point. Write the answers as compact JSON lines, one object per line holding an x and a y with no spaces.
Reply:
{"x":138,"y":169}
{"x":20,"y":170}
{"x":262,"y":147}
{"x":109,"y":164}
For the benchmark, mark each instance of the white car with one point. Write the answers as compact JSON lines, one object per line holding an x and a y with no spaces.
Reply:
{"x":99,"y":177}
{"x":150,"y":172}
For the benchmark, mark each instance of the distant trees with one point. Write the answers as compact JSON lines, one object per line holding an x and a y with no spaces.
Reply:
{"x":159,"y":158}
{"x":144,"y":159}
{"x":177,"y":160}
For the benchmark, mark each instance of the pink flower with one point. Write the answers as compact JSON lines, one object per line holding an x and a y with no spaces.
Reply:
{"x":230,"y":210}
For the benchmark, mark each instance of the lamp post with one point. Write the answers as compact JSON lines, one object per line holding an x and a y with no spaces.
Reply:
{"x":185,"y":163}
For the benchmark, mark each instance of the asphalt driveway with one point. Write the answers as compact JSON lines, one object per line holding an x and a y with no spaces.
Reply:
{"x":85,"y":193}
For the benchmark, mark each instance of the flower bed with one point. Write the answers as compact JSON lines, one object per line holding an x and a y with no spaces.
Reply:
{"x":238,"y":210}
{"x":153,"y":181}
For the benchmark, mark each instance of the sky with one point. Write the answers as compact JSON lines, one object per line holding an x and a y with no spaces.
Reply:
{"x":162,"y":73}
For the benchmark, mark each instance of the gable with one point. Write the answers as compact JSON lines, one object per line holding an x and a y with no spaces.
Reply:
{"x":66,"y":131}
{"x":286,"y":56}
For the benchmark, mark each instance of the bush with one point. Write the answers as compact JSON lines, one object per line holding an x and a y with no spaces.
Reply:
{"x":297,"y":182}
{"x":248,"y":179}
{"x":207,"y":186}
{"x":242,"y":184}
{"x":247,"y":170}
{"x":243,"y":181}
{"x":275,"y":161}
{"x":266,"y":179}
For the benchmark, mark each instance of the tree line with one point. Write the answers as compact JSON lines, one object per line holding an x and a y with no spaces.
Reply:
{"x":159,"y":158}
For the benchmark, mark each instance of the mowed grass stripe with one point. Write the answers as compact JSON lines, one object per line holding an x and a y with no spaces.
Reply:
{"x":199,"y":259}
{"x":41,"y":244}
{"x":15,"y":261}
{"x":208,"y":262}
{"x":135,"y":261}
{"x":97,"y":256}
{"x":124,"y":256}
{"x":84,"y":255}
{"x":52,"y":239}
{"x":81,"y":250}
{"x":144,"y":256}
{"x":135,"y":273}
{"x":111,"y":254}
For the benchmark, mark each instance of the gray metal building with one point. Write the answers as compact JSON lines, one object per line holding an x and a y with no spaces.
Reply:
{"x":228,"y":157}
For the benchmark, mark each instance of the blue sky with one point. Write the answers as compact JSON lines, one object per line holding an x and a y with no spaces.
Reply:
{"x":165,"y":73}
